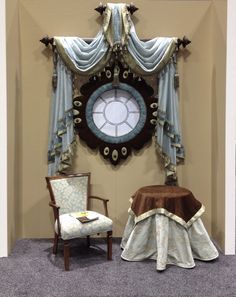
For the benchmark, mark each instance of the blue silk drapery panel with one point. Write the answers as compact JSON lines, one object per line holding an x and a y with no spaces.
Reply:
{"x":156,"y":56}
{"x":61,"y":131}
{"x":168,"y":126}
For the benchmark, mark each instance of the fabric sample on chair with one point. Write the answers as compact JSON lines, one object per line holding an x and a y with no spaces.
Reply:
{"x":70,"y":193}
{"x":73,"y":228}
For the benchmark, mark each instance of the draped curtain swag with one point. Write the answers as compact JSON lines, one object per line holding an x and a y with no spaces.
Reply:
{"x":153,"y":57}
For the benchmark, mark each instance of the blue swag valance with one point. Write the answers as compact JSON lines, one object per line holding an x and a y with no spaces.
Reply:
{"x":73,"y":55}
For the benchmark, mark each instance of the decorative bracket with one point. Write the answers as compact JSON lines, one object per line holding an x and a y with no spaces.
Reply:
{"x":101,"y":8}
{"x":47,"y":40}
{"x":184,"y":42}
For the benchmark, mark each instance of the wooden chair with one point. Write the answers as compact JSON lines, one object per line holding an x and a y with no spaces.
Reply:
{"x":70,"y":194}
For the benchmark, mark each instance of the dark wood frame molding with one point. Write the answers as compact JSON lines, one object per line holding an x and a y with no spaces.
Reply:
{"x":108,"y":149}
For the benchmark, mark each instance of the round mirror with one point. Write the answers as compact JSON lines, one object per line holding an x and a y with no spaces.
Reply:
{"x":116,"y":114}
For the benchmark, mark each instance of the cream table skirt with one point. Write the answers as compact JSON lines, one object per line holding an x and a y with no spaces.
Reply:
{"x":160,"y":238}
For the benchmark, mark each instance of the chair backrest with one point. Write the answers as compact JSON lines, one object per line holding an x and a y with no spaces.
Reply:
{"x":70,"y":192}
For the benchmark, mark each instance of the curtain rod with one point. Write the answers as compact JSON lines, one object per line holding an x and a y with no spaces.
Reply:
{"x":180,"y":42}
{"x":130,"y":7}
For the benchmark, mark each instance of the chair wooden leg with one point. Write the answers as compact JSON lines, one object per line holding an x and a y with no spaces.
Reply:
{"x":109,"y":245}
{"x":88,"y":241}
{"x":55,"y":244}
{"x":66,"y":255}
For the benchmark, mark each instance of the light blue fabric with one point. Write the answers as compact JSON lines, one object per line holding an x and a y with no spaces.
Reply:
{"x":61,"y":132}
{"x":73,"y":228}
{"x":166,"y":241}
{"x":168,"y":128}
{"x":116,"y":24}
{"x":152,"y":57}
{"x":80,"y":56}
{"x":149,"y":55}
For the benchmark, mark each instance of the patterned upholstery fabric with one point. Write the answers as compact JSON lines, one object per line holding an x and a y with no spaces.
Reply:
{"x":73,"y":228}
{"x":70,"y":193}
{"x":166,"y":241}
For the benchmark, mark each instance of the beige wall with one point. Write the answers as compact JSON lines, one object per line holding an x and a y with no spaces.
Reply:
{"x":196,"y":106}
{"x":154,"y":18}
{"x":14,"y":120}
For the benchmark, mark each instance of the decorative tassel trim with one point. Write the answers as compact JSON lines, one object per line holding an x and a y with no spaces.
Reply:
{"x":66,"y":157}
{"x":54,"y":75}
{"x":170,"y":168}
{"x":56,"y":145}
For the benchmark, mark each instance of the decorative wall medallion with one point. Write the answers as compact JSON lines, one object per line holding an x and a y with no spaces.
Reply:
{"x":115,"y":119}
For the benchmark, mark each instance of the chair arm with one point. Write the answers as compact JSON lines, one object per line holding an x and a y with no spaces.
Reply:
{"x":52,"y":204}
{"x":56,"y":215}
{"x":104,"y":203}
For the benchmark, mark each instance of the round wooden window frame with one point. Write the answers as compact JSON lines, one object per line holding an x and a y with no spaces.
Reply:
{"x":115,"y":152}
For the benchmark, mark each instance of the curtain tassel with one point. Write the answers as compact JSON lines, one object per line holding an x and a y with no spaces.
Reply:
{"x":116,"y":73}
{"x":54,"y":75}
{"x":176,"y":80}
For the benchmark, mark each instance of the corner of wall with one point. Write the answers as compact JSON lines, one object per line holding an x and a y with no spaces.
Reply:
{"x":218,"y":102}
{"x":13,"y":122}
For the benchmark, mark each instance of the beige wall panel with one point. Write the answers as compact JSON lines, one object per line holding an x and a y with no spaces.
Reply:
{"x":155,"y":18}
{"x":218,"y":120}
{"x":14,"y":113}
{"x":168,"y":18}
{"x":196,"y":113}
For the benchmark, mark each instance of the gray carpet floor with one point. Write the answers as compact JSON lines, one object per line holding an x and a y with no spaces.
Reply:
{"x":33,"y":271}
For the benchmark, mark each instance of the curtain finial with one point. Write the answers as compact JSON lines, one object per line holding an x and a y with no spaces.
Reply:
{"x":101,"y":8}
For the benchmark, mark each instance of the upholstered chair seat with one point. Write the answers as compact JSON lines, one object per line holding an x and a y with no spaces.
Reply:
{"x":73,"y":228}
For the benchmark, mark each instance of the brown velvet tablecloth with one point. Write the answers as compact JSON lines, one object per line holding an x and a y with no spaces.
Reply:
{"x":175,"y":202}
